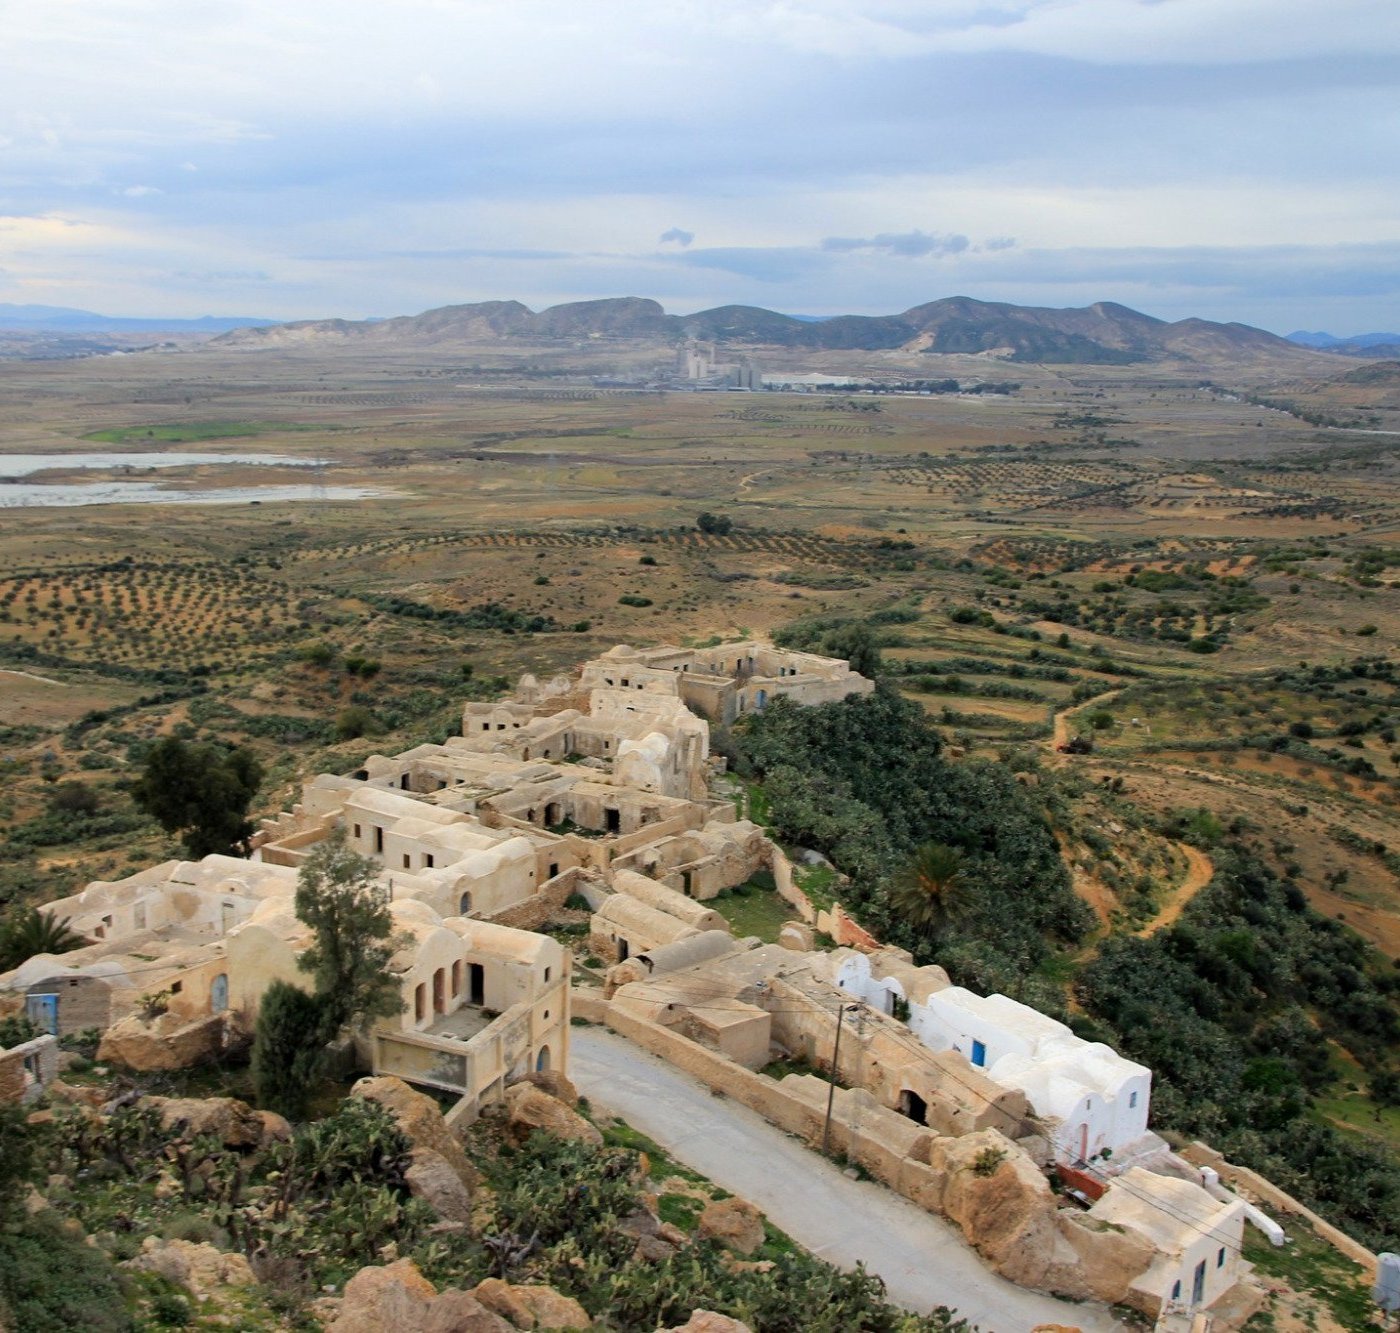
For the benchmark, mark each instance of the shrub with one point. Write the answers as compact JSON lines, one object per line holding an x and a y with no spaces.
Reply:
{"x":287,"y":1052}
{"x":353,"y":722}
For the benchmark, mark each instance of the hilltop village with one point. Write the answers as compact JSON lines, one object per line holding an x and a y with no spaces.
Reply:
{"x":598,"y":793}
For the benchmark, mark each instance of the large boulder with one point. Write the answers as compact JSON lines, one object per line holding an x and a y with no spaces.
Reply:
{"x":556,"y":1084}
{"x":531,"y":1307}
{"x":165,"y":1042}
{"x":430,"y":1177}
{"x":199,"y":1268}
{"x":529,"y":1108}
{"x":421,"y":1121}
{"x":1003,"y":1204}
{"x":707,"y":1321}
{"x":1105,"y":1262}
{"x":234,"y":1123}
{"x":733,"y":1223}
{"x":997,"y":1194}
{"x":398,"y":1297}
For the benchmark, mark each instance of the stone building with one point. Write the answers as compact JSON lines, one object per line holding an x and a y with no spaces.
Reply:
{"x":726,"y":681}
{"x":1196,"y":1239}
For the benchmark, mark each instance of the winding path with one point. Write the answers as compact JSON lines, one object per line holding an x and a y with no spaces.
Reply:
{"x":1060,"y":733}
{"x":1199,"y":872}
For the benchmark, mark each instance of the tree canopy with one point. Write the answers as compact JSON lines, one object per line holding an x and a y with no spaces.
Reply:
{"x":201,"y":791}
{"x":339,"y":896}
{"x":864,"y":780}
{"x":28,"y":931}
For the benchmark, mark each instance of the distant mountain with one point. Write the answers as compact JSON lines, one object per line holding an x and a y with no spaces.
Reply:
{"x":1359,"y":344}
{"x":63,"y":319}
{"x":1100,"y":334}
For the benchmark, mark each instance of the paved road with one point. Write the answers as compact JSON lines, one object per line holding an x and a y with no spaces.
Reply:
{"x":922,"y":1258}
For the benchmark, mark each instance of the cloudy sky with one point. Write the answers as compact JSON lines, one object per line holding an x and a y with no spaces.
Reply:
{"x":1235,"y":159}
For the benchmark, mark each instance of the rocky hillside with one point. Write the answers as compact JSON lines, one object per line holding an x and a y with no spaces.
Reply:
{"x":1100,"y":334}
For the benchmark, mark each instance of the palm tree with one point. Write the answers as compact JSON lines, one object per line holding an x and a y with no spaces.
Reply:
{"x":30,"y":931}
{"x":928,"y":891}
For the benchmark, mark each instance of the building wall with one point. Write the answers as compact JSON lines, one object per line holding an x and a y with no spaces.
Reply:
{"x":83,"y":1002}
{"x":27,"y":1069}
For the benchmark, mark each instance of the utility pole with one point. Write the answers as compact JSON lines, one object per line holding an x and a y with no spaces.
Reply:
{"x":841,"y":1010}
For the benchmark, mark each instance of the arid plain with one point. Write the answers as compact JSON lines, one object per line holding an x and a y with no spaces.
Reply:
{"x":1182,"y":563}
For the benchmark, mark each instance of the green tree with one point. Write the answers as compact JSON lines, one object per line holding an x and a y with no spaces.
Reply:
{"x":28,"y":931}
{"x":339,"y":896}
{"x":200,"y":791}
{"x":928,"y":891}
{"x":718,"y":524}
{"x":287,"y":1049}
{"x":858,"y":645}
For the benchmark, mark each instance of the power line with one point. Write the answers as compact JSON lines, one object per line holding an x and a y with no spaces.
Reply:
{"x":911,"y":1043}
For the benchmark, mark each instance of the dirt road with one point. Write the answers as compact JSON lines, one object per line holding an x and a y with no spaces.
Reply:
{"x":922,"y":1258}
{"x":1199,"y":870}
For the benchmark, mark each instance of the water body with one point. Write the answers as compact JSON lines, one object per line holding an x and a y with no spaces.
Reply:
{"x":16,"y":493}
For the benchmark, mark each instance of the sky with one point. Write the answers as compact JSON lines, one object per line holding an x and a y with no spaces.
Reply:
{"x":1229,"y":159}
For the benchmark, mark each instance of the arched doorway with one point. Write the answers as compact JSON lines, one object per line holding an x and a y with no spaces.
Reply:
{"x":542,"y":1061}
{"x":913,"y":1106}
{"x":464,"y":905}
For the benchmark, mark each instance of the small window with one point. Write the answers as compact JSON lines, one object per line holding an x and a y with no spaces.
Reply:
{"x":546,"y":1015}
{"x":407,"y":861}
{"x":1132,"y":1100}
{"x":176,"y":987}
{"x":1220,"y":1258}
{"x":547,"y":971}
{"x":357,"y":830}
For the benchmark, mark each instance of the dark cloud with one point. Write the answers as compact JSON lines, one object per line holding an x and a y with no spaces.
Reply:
{"x":908,"y":244}
{"x":676,"y":236}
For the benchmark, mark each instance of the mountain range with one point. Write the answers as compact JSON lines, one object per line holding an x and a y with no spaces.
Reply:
{"x":65,"y":319}
{"x":1360,"y":344}
{"x":1104,"y":333}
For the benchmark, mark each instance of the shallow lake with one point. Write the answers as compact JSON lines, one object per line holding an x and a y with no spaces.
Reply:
{"x":16,"y":493}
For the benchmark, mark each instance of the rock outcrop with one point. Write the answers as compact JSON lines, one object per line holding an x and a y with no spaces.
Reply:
{"x":555,"y":1084}
{"x":397,"y":1296}
{"x":707,"y":1321}
{"x":733,"y":1223}
{"x":422,"y":1123}
{"x":531,"y":1307}
{"x":199,"y":1268}
{"x":234,"y":1123}
{"x":1003,"y":1204}
{"x":529,"y":1108}
{"x":165,"y":1042}
{"x":430,"y":1177}
{"x":1009,"y":1214}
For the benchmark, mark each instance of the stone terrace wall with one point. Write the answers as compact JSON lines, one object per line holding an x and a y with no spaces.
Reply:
{"x":1265,"y":1191}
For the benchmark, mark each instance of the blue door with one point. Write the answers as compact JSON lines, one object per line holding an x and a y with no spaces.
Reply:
{"x":218,"y":993}
{"x":42,"y":1011}
{"x":979,"y":1053}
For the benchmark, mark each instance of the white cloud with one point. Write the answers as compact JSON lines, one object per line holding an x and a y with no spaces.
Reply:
{"x":550,"y":143}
